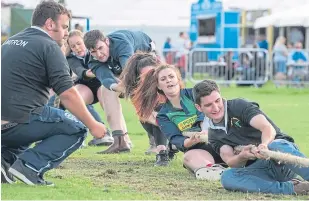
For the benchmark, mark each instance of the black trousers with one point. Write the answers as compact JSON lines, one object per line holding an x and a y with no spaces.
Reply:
{"x":155,"y":131}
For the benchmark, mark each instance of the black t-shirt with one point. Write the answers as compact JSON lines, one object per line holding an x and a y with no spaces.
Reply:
{"x":79,"y":65}
{"x":237,"y":129}
{"x":32,"y":63}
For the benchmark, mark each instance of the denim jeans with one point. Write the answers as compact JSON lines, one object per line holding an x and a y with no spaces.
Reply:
{"x":266,"y":176}
{"x":90,"y":108}
{"x":59,"y":133}
{"x":281,"y":67}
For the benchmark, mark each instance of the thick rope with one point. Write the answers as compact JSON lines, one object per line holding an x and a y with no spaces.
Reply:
{"x":273,"y":155}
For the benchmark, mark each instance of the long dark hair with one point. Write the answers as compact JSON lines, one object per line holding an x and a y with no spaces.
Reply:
{"x":147,"y":95}
{"x":130,"y":76}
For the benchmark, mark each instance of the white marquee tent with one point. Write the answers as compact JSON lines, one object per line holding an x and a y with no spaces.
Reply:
{"x":296,"y":16}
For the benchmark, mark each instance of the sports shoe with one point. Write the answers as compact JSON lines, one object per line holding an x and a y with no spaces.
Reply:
{"x":172,"y":154}
{"x":105,"y":141}
{"x":172,"y":150}
{"x":83,"y":145}
{"x":162,"y":158}
{"x":6,"y":176}
{"x":300,"y":187}
{"x":211,"y":173}
{"x":26,"y":175}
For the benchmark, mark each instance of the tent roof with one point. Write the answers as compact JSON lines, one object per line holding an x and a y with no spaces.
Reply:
{"x":273,"y":5}
{"x":297,"y":16}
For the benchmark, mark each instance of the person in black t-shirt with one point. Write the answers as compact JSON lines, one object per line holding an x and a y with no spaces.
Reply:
{"x":32,"y":63}
{"x":240,"y":122}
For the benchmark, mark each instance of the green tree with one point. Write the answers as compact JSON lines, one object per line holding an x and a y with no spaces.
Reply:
{"x":63,"y":2}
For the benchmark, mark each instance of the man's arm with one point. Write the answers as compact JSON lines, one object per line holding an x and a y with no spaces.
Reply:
{"x":253,"y":116}
{"x":72,"y":101}
{"x":268,"y":131}
{"x":236,"y":161}
{"x":104,"y":74}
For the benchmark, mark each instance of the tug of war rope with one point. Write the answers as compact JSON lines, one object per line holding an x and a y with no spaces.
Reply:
{"x":270,"y":155}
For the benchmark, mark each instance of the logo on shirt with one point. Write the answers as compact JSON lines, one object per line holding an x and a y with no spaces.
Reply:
{"x":20,"y":43}
{"x":187,"y":123}
{"x":235,"y":122}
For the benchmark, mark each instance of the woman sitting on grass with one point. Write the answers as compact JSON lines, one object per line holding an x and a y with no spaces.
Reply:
{"x":140,"y":63}
{"x":177,"y":115}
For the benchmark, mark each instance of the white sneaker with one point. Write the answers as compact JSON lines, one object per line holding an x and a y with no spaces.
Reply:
{"x":105,"y":141}
{"x":212,"y":173}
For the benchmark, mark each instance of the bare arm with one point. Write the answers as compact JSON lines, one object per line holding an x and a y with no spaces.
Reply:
{"x":75,"y":104}
{"x":236,"y":161}
{"x":194,"y":139}
{"x":268,"y":131}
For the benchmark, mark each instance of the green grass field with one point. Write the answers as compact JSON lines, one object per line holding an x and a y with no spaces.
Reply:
{"x":132,"y":176}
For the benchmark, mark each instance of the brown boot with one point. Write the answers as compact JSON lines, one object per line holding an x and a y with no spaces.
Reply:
{"x":119,"y":145}
{"x":124,"y":146}
{"x":301,"y":187}
{"x":128,"y":140}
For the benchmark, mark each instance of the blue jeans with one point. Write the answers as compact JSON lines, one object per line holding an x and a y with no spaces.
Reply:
{"x":266,"y":176}
{"x":60,"y":134}
{"x":281,"y":67}
{"x":90,"y":108}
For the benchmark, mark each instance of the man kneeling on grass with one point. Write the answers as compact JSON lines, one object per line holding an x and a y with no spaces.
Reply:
{"x":239,"y":122}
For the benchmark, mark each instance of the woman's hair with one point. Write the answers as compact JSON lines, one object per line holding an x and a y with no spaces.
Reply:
{"x":280,"y":41}
{"x":130,"y":76}
{"x":147,"y":96}
{"x":72,"y":33}
{"x":75,"y":32}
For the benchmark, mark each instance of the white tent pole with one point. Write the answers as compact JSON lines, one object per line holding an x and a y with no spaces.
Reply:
{"x":307,"y":38}
{"x":281,"y":31}
{"x":288,"y":33}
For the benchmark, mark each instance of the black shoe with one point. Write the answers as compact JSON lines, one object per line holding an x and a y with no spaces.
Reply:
{"x":172,"y":154}
{"x":26,"y":175}
{"x":6,"y":176}
{"x":162,"y":158}
{"x":172,"y":150}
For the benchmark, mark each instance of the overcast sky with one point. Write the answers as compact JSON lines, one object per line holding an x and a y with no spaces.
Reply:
{"x":151,"y":12}
{"x":129,"y":12}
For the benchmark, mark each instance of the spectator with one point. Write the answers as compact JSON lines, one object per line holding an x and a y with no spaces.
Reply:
{"x":167,"y":46}
{"x":280,"y":58}
{"x":77,"y":26}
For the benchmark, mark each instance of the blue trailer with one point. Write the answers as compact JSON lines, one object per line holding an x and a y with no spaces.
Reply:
{"x":213,"y":27}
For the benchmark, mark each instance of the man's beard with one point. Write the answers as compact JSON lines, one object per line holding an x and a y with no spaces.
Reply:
{"x":60,"y":42}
